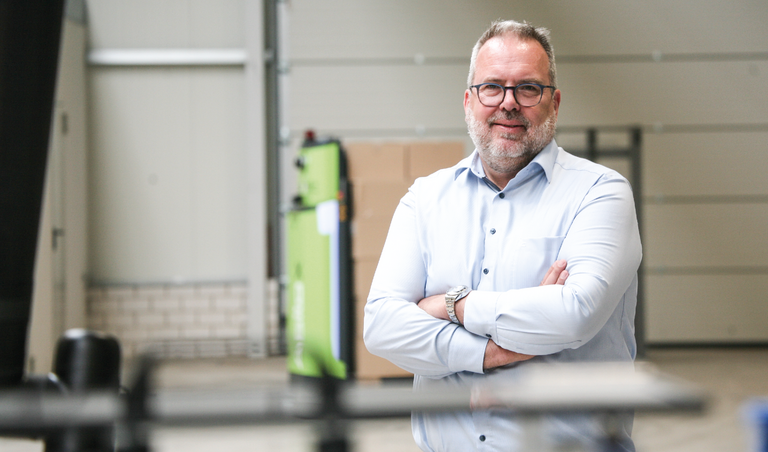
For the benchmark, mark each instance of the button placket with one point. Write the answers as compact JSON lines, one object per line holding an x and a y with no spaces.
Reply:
{"x":491,"y":244}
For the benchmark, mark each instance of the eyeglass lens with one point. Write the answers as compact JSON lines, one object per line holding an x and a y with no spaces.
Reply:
{"x":527,"y":95}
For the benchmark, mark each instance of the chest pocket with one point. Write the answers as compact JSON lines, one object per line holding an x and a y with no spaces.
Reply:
{"x":532,"y":258}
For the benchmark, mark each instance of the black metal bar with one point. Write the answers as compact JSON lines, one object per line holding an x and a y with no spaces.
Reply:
{"x":30,"y":31}
{"x":706,"y":199}
{"x":272,"y":106}
{"x":634,"y":154}
{"x":566,"y":388}
{"x":603,"y":152}
{"x":346,"y":268}
{"x":725,"y":270}
{"x":592,"y":144}
{"x":271,"y":70}
{"x":561,"y":129}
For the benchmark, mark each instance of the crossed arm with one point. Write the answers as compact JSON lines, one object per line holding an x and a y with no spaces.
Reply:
{"x":495,"y":356}
{"x":603,"y":251}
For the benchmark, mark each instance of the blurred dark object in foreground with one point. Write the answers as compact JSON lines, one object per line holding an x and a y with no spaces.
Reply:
{"x":30,"y":31}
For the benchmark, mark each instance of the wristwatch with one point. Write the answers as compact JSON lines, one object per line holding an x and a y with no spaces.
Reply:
{"x":453,"y":295}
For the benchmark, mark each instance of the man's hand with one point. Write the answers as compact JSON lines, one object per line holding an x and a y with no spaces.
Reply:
{"x":557,"y":274}
{"x":495,"y":356}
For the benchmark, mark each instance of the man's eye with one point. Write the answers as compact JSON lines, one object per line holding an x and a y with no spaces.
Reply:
{"x":491,"y":90}
{"x":528,"y":89}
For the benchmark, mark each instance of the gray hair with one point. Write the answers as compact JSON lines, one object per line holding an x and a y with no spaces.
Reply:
{"x":521,"y":30}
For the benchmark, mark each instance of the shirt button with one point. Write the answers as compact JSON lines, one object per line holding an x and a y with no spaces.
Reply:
{"x":485,"y":271}
{"x":488,"y":335}
{"x":482,"y":437}
{"x":493,"y":230}
{"x":501,"y":195}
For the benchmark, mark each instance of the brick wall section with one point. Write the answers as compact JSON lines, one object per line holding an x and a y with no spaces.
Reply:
{"x":190,"y":321}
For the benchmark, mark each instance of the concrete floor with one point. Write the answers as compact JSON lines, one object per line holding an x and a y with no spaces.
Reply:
{"x":730,"y":376}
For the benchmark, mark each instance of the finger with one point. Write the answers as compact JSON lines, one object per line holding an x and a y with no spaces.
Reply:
{"x":563,"y":276}
{"x":546,"y":281}
{"x":553,"y":274}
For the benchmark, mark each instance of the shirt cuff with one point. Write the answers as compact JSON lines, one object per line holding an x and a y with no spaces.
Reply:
{"x":467,"y":352}
{"x":480,"y":314}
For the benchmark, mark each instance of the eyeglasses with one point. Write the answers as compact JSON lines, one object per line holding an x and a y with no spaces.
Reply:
{"x":525,"y":94}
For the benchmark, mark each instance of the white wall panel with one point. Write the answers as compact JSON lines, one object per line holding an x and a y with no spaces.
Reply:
{"x":219,"y":179}
{"x":714,"y":93}
{"x":402,"y":28}
{"x":168,"y":197}
{"x":705,"y":164}
{"x":393,"y":97}
{"x":378,"y":98}
{"x":707,"y":308}
{"x":379,"y":29}
{"x":166,"y":24}
{"x":706,"y":235}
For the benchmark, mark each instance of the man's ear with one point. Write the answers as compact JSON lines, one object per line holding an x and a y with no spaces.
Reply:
{"x":556,"y":100}
{"x":467,"y":95}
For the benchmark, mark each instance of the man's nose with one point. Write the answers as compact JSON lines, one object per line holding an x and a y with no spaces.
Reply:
{"x":509,"y":103}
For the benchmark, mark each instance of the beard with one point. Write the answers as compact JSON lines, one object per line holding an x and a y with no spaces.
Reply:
{"x":510,"y":153}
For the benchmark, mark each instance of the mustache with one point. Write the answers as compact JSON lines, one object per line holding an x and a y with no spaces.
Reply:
{"x":512,"y":115}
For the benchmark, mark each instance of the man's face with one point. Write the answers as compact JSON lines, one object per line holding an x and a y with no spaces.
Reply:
{"x":509,"y":130}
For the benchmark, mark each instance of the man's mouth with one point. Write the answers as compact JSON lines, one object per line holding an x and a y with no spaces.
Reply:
{"x":509,"y":127}
{"x":508,"y":124}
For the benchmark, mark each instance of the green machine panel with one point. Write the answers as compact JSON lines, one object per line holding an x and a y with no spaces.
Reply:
{"x":318,"y":173}
{"x":309,"y":322}
{"x":319,"y":307}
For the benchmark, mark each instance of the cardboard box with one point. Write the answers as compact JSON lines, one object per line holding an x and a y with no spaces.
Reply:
{"x":376,"y":198}
{"x":368,"y":366}
{"x":424,"y":158}
{"x":368,"y":237}
{"x":371,"y":367}
{"x":372,"y":161}
{"x":381,"y":175}
{"x":364,"y":270}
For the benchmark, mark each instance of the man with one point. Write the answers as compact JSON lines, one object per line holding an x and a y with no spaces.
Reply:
{"x":505,"y":222}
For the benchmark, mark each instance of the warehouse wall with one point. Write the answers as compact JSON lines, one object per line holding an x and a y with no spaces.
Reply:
{"x":692,"y":74}
{"x":171,"y":154}
{"x":168,"y":146}
{"x":176,"y":175}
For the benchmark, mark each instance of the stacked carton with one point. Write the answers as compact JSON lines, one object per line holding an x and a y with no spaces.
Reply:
{"x":380,"y":174}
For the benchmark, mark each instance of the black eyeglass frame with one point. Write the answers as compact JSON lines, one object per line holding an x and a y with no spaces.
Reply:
{"x":514,"y":92}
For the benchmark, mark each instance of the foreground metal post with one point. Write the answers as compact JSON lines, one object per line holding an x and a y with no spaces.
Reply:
{"x":86,"y":362}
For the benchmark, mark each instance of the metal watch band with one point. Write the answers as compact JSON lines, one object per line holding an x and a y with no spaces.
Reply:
{"x":453,"y":295}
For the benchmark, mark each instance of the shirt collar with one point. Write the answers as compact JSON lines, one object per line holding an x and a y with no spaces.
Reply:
{"x":544,"y":160}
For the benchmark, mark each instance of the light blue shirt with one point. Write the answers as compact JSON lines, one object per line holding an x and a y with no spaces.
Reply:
{"x":455,"y":227}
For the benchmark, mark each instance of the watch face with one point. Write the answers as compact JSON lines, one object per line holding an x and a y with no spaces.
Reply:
{"x":456,"y":291}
